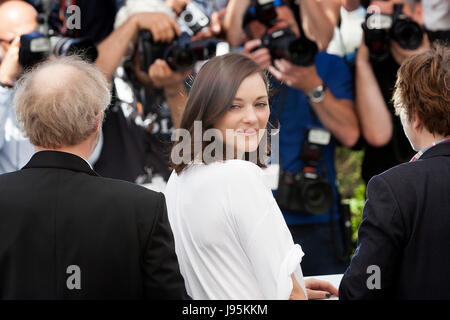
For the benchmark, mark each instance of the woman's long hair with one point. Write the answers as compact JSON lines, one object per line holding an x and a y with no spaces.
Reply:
{"x":211,"y":96}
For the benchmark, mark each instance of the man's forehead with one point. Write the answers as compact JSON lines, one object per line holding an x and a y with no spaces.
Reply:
{"x":56,"y":76}
{"x":13,"y":31}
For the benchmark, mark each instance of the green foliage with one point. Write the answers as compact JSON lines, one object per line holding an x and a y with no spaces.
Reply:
{"x":350,"y":184}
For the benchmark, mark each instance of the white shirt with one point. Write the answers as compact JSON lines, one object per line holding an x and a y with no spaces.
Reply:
{"x":347,"y":37}
{"x":15,"y":149}
{"x":436,"y":14}
{"x":231,"y":239}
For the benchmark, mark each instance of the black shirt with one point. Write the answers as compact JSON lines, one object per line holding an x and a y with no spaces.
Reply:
{"x":136,"y":144}
{"x":97,"y":17}
{"x":398,"y":150}
{"x":159,"y":137}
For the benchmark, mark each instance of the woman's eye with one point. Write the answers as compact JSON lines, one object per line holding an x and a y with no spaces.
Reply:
{"x":261,"y":104}
{"x":234,"y":106}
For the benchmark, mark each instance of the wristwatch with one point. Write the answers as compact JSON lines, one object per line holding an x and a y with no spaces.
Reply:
{"x":317,"y":94}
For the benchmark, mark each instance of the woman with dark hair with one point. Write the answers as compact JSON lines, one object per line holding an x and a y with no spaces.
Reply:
{"x":230,"y":236}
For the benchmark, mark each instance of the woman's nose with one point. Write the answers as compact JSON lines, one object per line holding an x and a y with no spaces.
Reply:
{"x":250,"y":115}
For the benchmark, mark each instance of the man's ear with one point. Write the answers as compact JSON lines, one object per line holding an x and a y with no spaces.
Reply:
{"x":98,"y":123}
{"x":416,"y":124}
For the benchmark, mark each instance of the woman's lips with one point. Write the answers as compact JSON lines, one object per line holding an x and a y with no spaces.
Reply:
{"x":247,"y":132}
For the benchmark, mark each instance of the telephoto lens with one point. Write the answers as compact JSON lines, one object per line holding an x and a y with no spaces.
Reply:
{"x":407,"y":33}
{"x":63,"y":46}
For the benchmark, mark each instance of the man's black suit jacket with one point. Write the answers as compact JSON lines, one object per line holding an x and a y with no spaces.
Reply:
{"x":405,"y":232}
{"x":67,"y":233}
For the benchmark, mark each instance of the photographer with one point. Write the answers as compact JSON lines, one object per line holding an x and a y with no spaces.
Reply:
{"x":150,"y":101}
{"x":17,"y":18}
{"x":314,"y":107}
{"x":157,"y":20}
{"x":387,"y":145}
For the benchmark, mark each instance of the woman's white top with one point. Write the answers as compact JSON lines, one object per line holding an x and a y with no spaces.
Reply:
{"x":231,"y":239}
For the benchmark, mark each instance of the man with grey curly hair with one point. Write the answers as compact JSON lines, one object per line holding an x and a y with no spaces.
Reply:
{"x":65,"y":232}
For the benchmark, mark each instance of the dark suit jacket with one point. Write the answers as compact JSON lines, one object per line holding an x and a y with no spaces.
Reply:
{"x":62,"y":225}
{"x":405,"y":231}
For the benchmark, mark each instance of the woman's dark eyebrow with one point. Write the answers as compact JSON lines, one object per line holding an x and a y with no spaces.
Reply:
{"x":261,"y":97}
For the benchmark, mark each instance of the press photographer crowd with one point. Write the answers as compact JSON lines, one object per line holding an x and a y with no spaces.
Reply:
{"x":185,"y":149}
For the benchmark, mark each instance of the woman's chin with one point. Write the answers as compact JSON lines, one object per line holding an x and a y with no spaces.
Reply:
{"x":248,"y":144}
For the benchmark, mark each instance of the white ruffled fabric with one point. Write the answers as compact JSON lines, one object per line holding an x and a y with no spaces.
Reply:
{"x":231,"y":239}
{"x":290,"y":266}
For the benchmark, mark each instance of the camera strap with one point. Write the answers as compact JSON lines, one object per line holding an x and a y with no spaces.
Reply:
{"x":293,"y":5}
{"x":314,"y":117}
{"x":345,"y":224}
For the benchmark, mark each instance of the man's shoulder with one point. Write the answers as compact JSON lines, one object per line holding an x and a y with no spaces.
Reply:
{"x":411,"y":174}
{"x":103,"y":187}
{"x":124,"y":188}
{"x":393,"y":174}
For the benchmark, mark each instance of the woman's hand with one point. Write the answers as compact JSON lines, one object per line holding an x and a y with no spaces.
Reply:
{"x":297,"y":291}
{"x":318,"y":289}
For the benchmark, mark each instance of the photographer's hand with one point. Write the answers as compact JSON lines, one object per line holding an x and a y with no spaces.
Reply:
{"x":173,"y":84}
{"x":298,"y":77}
{"x":177,"y":5}
{"x":337,"y":115}
{"x":163,"y":76}
{"x":112,"y":49}
{"x":162,"y":27}
{"x":10,"y":68}
{"x":215,"y":27}
{"x":260,"y":56}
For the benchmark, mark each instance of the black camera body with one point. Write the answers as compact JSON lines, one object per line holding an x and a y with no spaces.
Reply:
{"x":263,"y":11}
{"x":180,"y":55}
{"x":379,"y":29}
{"x":307,"y":191}
{"x":192,"y":20}
{"x":36,"y":46}
{"x":284,"y":44}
